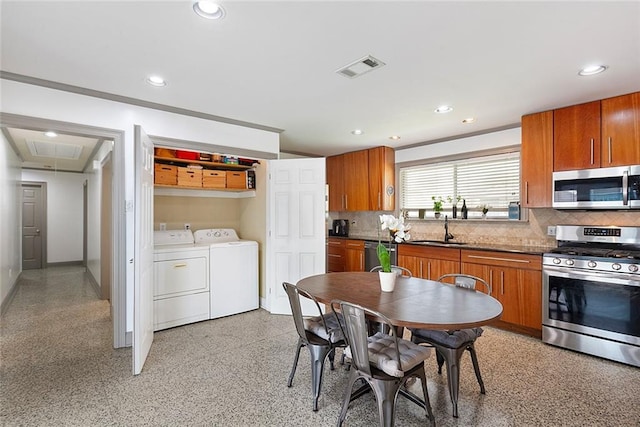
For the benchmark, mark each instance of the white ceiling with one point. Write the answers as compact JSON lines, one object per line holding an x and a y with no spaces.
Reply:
{"x":273,"y":63}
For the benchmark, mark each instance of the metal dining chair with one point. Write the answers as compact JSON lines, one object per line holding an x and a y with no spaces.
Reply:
{"x":321,"y":334}
{"x":400,"y":271}
{"x":383,"y":361}
{"x":451,"y":345}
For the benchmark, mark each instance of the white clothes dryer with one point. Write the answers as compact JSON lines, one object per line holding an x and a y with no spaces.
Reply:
{"x":181,"y":279}
{"x":234,"y":286}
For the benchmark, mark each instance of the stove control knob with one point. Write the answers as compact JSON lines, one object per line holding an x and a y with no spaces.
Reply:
{"x":592,"y":264}
{"x":556,"y":261}
{"x":616,"y":266}
{"x":633,"y":268}
{"x":569,"y":262}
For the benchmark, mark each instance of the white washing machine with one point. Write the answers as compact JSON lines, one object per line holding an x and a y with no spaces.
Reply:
{"x":233,"y":265}
{"x":181,"y":279}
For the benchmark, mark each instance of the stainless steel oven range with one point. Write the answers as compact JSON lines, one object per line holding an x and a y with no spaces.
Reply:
{"x":591,"y":292}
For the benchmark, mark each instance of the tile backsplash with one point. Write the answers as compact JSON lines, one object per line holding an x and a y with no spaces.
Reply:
{"x":521,"y":233}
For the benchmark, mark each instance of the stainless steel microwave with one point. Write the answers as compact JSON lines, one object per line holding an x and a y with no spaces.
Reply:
{"x":602,"y":188}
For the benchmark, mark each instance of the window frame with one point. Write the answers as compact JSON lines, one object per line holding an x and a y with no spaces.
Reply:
{"x":474,"y":212}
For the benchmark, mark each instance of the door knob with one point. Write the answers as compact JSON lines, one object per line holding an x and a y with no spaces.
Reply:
{"x":37,"y":231}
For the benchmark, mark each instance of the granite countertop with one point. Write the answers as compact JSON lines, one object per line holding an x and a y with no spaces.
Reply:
{"x":522,"y":249}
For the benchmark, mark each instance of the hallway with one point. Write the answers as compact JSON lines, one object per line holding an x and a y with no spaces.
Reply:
{"x":57,"y":368}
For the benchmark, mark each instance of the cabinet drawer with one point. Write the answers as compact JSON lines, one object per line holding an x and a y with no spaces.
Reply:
{"x":189,"y":177}
{"x":354,"y":244}
{"x":174,"y":277}
{"x":502,"y":259}
{"x":433,"y":252}
{"x":214,"y":179}
{"x":237,"y":179}
{"x":165,"y":174}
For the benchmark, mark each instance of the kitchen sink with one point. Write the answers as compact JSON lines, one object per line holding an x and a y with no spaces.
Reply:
{"x":437,"y":242}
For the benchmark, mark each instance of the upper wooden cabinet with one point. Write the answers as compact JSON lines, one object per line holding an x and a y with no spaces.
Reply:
{"x":382,"y":178}
{"x":356,"y":180}
{"x":362,"y":180}
{"x":536,"y":160}
{"x":335,"y":181}
{"x":597,"y":134}
{"x":621,"y":130}
{"x":576,"y":137}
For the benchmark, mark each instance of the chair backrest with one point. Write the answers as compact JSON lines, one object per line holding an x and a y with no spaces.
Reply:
{"x":400,"y":271}
{"x":293,"y":292}
{"x":465,"y":281}
{"x":356,"y":332}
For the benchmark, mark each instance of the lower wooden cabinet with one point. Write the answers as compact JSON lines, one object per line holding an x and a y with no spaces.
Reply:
{"x":516,"y":281}
{"x":354,"y":255}
{"x":429,"y":262}
{"x":335,"y":255}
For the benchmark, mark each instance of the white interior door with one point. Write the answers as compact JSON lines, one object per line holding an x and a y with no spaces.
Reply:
{"x":296,"y":246}
{"x":143,"y":253}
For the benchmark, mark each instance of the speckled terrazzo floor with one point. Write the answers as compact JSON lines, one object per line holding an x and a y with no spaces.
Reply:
{"x":57,"y":368}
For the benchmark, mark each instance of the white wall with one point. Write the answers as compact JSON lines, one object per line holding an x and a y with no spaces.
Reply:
{"x":505,"y":138}
{"x":35,"y":101}
{"x":10,"y":219}
{"x":64,"y":213}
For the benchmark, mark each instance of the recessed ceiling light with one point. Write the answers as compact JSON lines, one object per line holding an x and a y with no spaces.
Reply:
{"x":208,"y":9}
{"x":444,"y":109}
{"x":156,"y":81}
{"x":592,"y":69}
{"x":394,"y":137}
{"x":50,"y":134}
{"x":357,"y":132}
{"x":469,"y":120}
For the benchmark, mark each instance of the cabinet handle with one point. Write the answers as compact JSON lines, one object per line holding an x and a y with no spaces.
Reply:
{"x":591,"y":151}
{"x":610,"y":158}
{"x":362,"y":262}
{"x":501,"y":282}
{"x":526,"y":192}
{"x":346,"y":201}
{"x":179,"y":265}
{"x":429,"y":270}
{"x":335,"y":256}
{"x":524,"y":261}
{"x":491,"y":280}
{"x":420,"y":268}
{"x":379,"y":201}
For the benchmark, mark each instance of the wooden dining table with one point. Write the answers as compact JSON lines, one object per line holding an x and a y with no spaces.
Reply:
{"x":414,"y":302}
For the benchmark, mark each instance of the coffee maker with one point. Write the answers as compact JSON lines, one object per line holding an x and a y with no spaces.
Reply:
{"x":340,"y":227}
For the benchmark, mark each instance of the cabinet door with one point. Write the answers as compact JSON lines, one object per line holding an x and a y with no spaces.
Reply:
{"x":438,"y":267}
{"x":354,"y":255}
{"x":530,"y":294}
{"x":411,"y":263}
{"x":356,"y":180}
{"x":576,"y":137}
{"x":505,"y":285}
{"x":621,"y":130}
{"x":536,"y":160}
{"x":335,"y":182}
{"x":478,"y":270}
{"x":381,"y":179}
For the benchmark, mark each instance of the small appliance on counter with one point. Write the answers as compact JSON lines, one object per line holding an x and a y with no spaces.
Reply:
{"x":340,"y":227}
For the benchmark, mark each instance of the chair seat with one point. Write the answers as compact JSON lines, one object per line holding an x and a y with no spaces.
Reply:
{"x":382,"y":353}
{"x":315,"y":325}
{"x":449,"y":339}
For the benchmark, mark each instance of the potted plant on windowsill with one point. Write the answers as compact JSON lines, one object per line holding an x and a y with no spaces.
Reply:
{"x":437,"y":205}
{"x":398,"y":232}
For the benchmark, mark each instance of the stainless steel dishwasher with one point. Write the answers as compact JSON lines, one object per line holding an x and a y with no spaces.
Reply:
{"x":371,"y":253}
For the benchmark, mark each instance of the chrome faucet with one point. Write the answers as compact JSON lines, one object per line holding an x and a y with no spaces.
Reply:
{"x":447,"y":236}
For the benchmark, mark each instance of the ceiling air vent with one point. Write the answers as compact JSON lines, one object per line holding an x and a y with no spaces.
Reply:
{"x":54,"y":150}
{"x":360,"y":67}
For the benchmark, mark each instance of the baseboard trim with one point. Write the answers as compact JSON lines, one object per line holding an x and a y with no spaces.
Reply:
{"x":94,"y":283}
{"x":63,"y":264}
{"x":9,"y":298}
